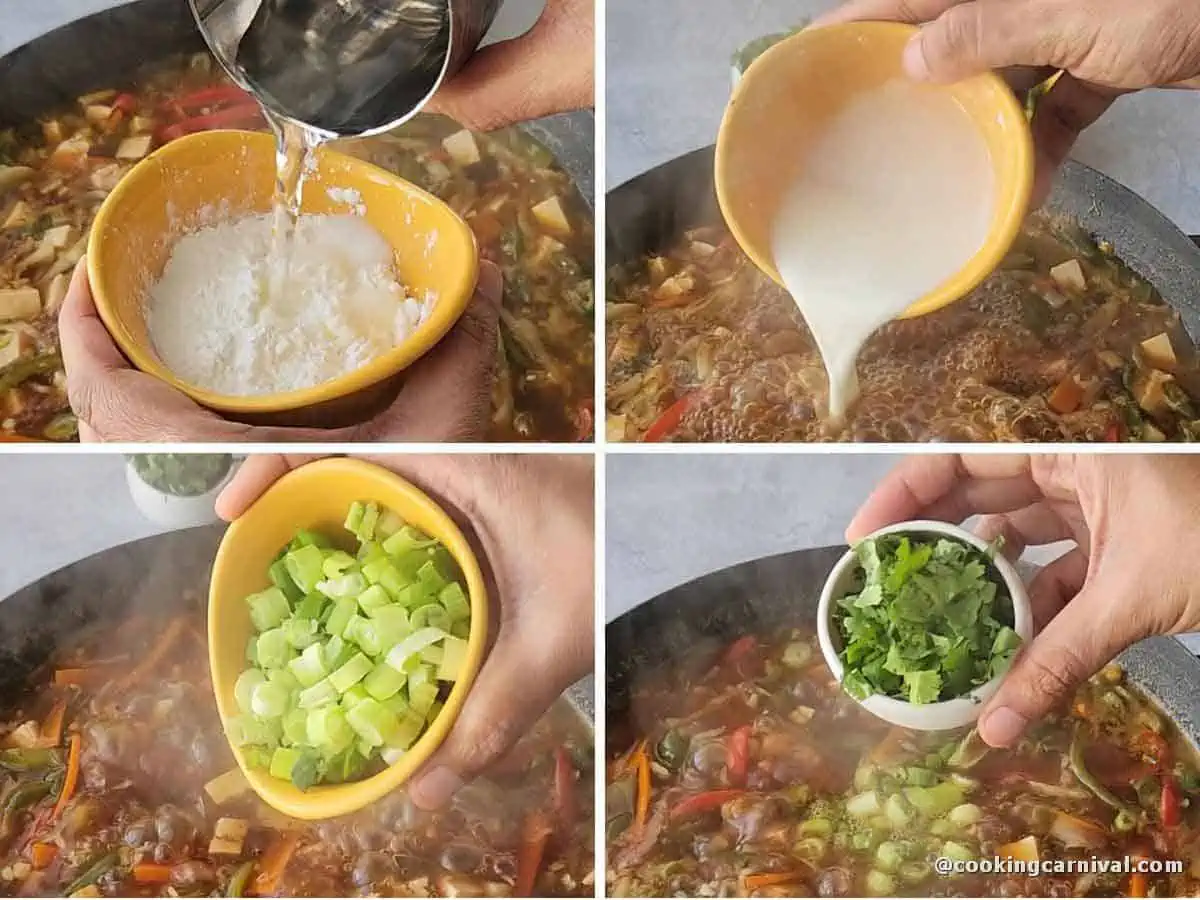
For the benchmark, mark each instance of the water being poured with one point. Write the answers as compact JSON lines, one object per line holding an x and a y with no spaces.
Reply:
{"x":295,"y":158}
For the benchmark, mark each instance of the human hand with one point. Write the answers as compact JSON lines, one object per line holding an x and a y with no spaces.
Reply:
{"x":1126,"y":578}
{"x":445,"y":397}
{"x":1104,"y":48}
{"x":549,"y":70}
{"x":530,"y":521}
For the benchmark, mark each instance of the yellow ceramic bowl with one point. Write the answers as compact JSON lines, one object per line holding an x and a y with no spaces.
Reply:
{"x":194,"y":180}
{"x":318,"y":496}
{"x":801,"y":82}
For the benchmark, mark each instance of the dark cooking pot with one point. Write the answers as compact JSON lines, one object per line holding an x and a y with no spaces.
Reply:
{"x":103,"y":49}
{"x":152,"y":575}
{"x":684,"y":629}
{"x":649,"y":212}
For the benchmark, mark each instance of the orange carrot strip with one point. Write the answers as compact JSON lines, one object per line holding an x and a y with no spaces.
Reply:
{"x":41,"y":854}
{"x":274,"y":862}
{"x":72,"y":778}
{"x":1137,"y":885}
{"x":642,"y":810}
{"x":767,"y":879}
{"x":533,"y":849}
{"x":151,"y":873}
{"x":165,"y":642}
{"x":79,"y":676}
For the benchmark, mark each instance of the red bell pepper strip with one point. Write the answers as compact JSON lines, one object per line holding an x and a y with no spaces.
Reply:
{"x":564,"y":789}
{"x":737,"y":755}
{"x":218,"y":95}
{"x":697,"y":804}
{"x":740,"y":657}
{"x":248,"y":115}
{"x":127,"y":104}
{"x":739,"y":650}
{"x":1168,"y":805}
{"x":666,"y":423}
{"x":529,"y":857}
{"x":1112,"y":434}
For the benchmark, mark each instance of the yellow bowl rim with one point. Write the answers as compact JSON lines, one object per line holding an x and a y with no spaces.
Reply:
{"x":1000,"y":238}
{"x":448,"y":310}
{"x":327,"y":801}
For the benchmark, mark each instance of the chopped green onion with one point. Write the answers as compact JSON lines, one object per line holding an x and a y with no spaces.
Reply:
{"x":268,"y":608}
{"x":304,"y":565}
{"x":349,"y":649}
{"x":372,"y":722}
{"x":309,"y":666}
{"x":243,"y":688}
{"x":319,"y":694}
{"x":354,"y":671}
{"x":384,"y":682}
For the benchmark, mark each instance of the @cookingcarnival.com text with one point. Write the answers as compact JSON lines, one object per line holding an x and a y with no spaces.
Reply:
{"x":1003,"y":865}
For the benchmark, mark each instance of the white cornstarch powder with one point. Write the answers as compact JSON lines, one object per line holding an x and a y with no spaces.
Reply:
{"x":213,"y":324}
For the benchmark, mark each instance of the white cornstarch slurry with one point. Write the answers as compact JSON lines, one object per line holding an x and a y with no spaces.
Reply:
{"x":215,"y":324}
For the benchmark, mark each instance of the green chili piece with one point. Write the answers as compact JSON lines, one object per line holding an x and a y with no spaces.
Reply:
{"x":21,"y":370}
{"x":241,"y":877}
{"x":92,"y":873}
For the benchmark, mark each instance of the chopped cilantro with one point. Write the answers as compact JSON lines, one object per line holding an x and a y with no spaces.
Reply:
{"x":929,"y":620}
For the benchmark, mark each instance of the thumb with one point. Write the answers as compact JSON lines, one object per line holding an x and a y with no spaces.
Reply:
{"x":447,"y":394}
{"x":1076,"y":644}
{"x":977,"y":37}
{"x":519,"y":681}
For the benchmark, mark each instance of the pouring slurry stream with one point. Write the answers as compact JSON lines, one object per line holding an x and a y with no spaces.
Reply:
{"x":890,"y":201}
{"x":866,"y":195}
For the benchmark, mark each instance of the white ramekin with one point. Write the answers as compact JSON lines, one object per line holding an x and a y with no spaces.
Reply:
{"x":948,"y":714}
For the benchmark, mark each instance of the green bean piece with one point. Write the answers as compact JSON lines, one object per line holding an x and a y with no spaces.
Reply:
{"x":23,"y":797}
{"x":241,"y":877}
{"x":21,"y":370}
{"x":17,"y":760}
{"x":672,"y":750}
{"x":92,"y":873}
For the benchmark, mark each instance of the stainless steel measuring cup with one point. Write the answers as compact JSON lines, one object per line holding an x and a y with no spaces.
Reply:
{"x":343,"y":67}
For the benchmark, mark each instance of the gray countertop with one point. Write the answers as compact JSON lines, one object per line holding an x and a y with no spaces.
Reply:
{"x":671,"y":517}
{"x":66,"y":506}
{"x":668,"y":78}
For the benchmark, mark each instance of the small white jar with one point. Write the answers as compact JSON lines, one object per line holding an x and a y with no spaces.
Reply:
{"x":948,"y":714}
{"x":177,"y":510}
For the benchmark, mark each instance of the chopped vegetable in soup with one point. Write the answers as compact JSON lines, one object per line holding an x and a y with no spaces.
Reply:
{"x":116,"y":781}
{"x":761,"y":778}
{"x":523,"y":209}
{"x":1062,"y":343}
